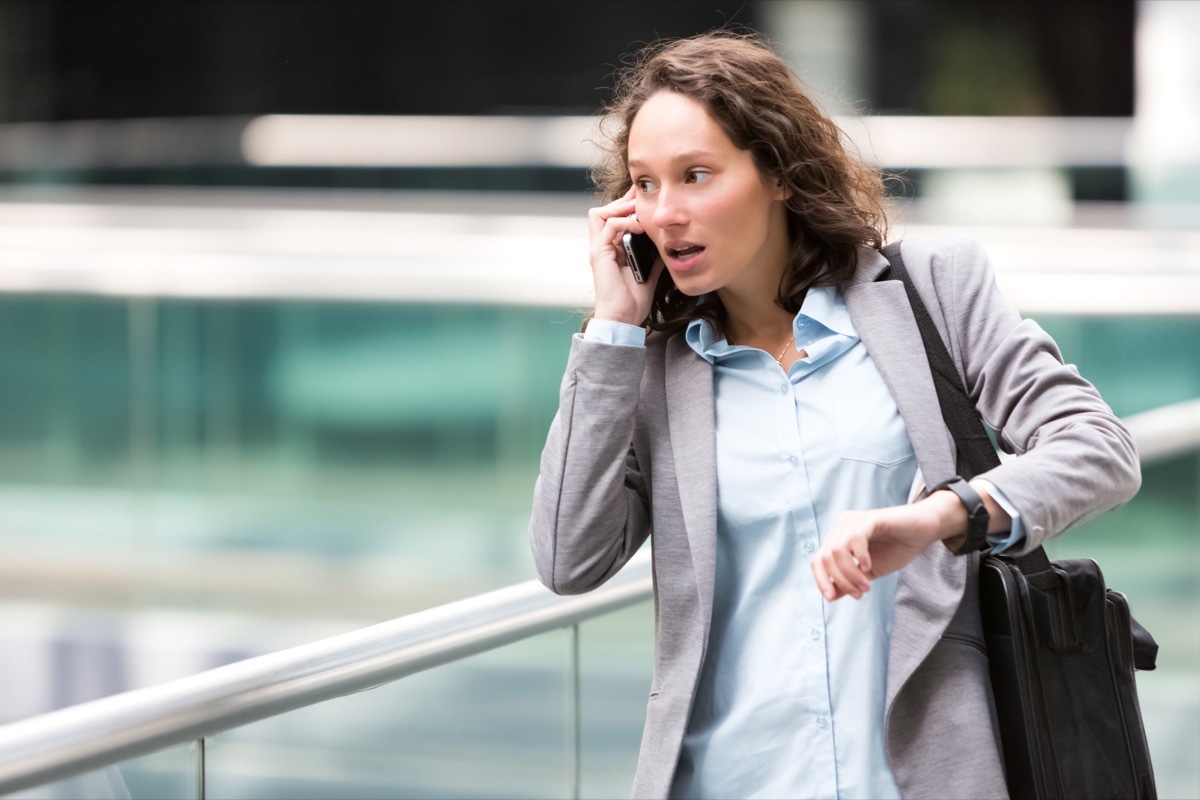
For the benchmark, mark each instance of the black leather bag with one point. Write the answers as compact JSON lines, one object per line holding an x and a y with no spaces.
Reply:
{"x":1062,"y":647}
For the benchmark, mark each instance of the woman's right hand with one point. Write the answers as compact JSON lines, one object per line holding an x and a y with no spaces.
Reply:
{"x":619,"y":297}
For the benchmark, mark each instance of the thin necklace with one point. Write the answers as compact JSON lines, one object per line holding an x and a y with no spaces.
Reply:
{"x":791,"y":339}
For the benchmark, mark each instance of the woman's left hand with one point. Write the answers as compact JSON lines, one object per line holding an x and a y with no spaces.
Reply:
{"x":865,"y":545}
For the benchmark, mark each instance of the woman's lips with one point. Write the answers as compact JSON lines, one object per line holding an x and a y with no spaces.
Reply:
{"x":684,"y":256}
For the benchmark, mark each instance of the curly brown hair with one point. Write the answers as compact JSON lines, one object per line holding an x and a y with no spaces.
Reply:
{"x":837,"y":200}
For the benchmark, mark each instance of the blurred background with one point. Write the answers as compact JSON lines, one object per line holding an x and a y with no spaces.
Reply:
{"x":286,"y":291}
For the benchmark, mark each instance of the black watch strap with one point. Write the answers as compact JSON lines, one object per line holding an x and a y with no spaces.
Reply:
{"x":977,"y":515}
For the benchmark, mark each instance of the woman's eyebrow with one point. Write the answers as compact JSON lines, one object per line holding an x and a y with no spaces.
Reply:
{"x":691,"y":155}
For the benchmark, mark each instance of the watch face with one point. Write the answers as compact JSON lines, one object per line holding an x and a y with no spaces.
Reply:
{"x":977,"y":523}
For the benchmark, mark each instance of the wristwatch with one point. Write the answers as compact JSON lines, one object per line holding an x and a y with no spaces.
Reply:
{"x":977,"y":515}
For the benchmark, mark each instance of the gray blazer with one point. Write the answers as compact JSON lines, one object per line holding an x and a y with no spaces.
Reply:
{"x":632,"y":450}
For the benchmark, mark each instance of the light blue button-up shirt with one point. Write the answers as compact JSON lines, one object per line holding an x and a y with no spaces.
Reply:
{"x":791,"y":698}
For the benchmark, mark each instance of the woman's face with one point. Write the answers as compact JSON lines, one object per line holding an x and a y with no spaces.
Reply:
{"x":719,"y":224}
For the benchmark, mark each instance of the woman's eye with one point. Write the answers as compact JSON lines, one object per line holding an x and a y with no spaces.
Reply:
{"x":644,"y":185}
{"x":697,"y":176}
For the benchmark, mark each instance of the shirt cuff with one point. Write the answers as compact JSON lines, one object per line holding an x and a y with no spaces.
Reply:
{"x":609,"y":332}
{"x":1000,"y":541}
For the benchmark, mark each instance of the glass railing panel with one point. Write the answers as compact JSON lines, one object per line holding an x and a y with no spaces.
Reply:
{"x":102,"y":784}
{"x":616,"y":667}
{"x":490,"y":726}
{"x":169,"y":774}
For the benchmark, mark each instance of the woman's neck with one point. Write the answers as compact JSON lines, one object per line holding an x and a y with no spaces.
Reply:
{"x":756,"y":321}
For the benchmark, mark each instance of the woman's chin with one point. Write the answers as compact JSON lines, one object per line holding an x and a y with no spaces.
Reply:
{"x":690,"y":285}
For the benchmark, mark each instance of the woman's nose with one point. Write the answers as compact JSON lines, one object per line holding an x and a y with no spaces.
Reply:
{"x":668,"y":210}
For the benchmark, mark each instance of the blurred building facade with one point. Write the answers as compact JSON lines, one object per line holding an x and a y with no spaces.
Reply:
{"x":70,"y":60}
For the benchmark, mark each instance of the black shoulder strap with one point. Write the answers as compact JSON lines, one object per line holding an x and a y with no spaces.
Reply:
{"x":957,"y":409}
{"x":958,"y":412}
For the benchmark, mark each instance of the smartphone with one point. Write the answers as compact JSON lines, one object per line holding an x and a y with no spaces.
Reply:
{"x":640,"y":254}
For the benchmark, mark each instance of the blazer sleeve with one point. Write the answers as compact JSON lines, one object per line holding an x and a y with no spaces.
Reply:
{"x":590,"y":503}
{"x":1075,"y":459}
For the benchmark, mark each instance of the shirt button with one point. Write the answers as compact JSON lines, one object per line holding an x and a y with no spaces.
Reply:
{"x":793,"y":460}
{"x":815,"y":634}
{"x":822,"y":722}
{"x":809,"y":546}
{"x":783,"y":388}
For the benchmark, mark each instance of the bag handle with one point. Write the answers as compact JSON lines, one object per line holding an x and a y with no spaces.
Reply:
{"x":958,"y":412}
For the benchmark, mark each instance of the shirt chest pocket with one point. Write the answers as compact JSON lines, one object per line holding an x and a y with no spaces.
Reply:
{"x":868,"y":424}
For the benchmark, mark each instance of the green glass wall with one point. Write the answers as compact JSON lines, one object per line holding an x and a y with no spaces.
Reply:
{"x":362,"y":435}
{"x":353,"y":429}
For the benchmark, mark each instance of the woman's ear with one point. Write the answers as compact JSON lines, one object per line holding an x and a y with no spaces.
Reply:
{"x":781,"y":191}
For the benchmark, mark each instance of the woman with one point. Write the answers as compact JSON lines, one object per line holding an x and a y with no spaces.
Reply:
{"x":764,"y":406}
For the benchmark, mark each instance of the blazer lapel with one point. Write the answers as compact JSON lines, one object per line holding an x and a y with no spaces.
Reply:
{"x":689,"y":392}
{"x":930,"y":588}
{"x":883,"y":319}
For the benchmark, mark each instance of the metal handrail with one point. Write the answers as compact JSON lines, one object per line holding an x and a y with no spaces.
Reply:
{"x":73,"y":740}
{"x":90,"y":735}
{"x":1166,"y":432}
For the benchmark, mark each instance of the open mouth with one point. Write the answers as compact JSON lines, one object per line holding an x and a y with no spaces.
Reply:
{"x":684,"y":253}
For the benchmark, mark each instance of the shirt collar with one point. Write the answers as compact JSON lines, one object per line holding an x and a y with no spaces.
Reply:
{"x":822,"y":314}
{"x":702,"y":337}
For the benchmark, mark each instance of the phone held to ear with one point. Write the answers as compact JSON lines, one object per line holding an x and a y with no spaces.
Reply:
{"x":640,"y":253}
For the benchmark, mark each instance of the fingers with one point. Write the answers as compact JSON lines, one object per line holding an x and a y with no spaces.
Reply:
{"x":825,"y":583}
{"x":621,"y":208}
{"x":845,"y":573}
{"x":610,"y":222}
{"x":843,"y":564}
{"x":619,"y":297}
